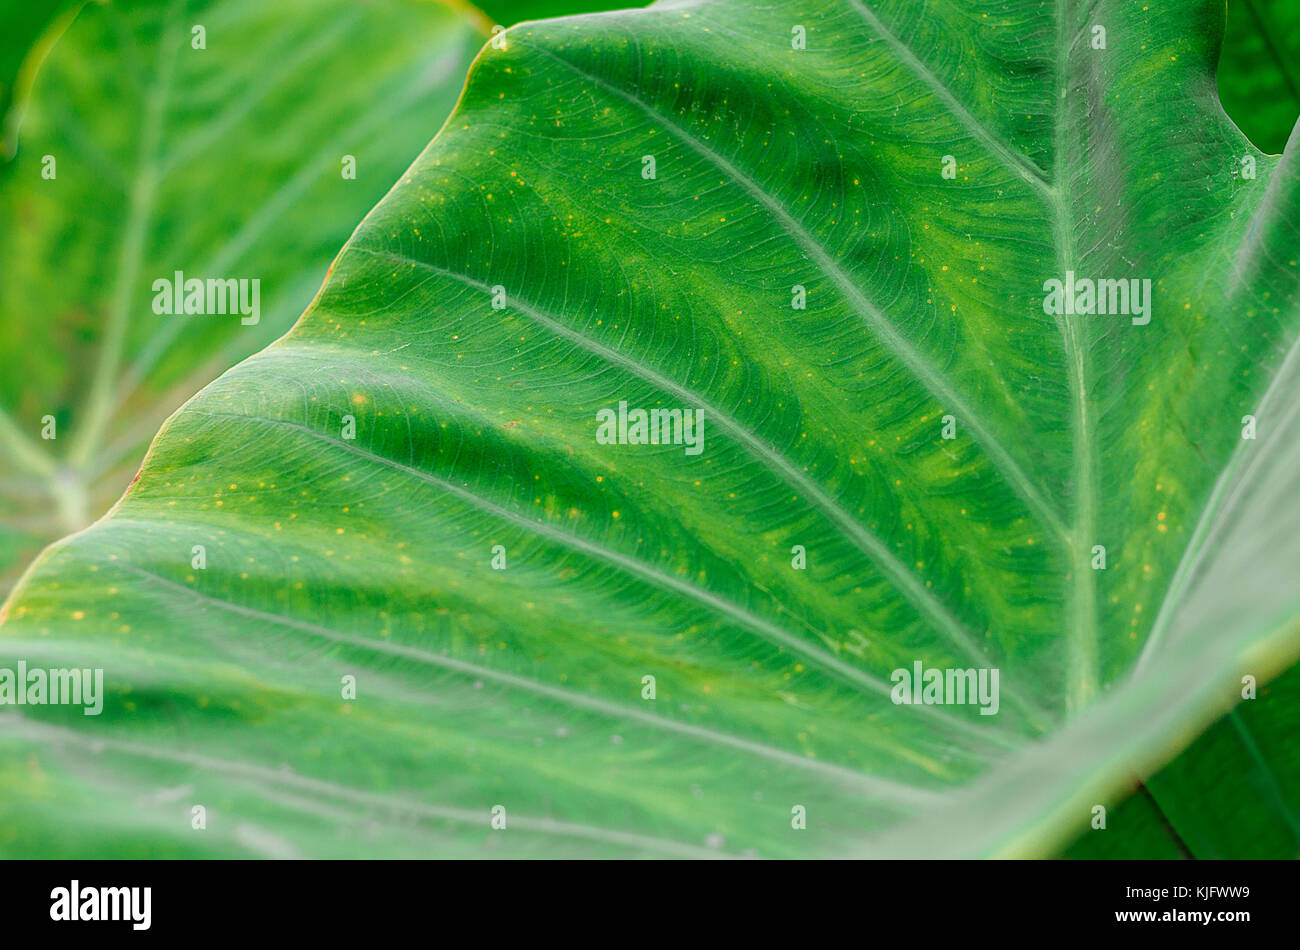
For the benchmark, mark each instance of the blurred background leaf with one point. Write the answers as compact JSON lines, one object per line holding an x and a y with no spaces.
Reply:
{"x":26,"y":31}
{"x":222,"y":162}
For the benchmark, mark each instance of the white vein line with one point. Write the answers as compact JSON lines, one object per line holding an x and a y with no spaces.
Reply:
{"x":31,"y":730}
{"x":1009,"y":156}
{"x":894,"y":569}
{"x":881,"y":788}
{"x":1081,"y":669}
{"x":708,"y":599}
{"x":904,"y":580}
{"x":874,"y":318}
{"x":271,"y":210}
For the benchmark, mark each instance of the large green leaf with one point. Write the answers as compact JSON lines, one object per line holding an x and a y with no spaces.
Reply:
{"x":220,"y":162}
{"x":329,"y":556}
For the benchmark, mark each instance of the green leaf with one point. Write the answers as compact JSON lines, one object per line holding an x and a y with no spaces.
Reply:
{"x":328,"y":556}
{"x":219,"y":162}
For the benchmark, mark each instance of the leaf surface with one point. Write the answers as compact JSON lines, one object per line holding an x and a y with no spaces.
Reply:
{"x":329,"y":556}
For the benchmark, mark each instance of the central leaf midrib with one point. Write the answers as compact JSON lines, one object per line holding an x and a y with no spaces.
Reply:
{"x":1082,"y":635}
{"x":1082,"y":631}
